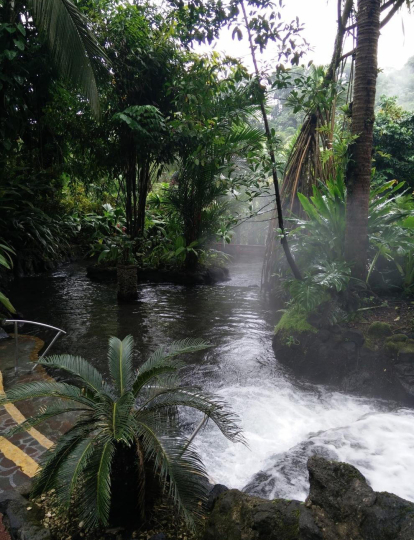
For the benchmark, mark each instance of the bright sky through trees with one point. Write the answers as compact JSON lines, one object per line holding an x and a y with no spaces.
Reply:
{"x":319,"y":16}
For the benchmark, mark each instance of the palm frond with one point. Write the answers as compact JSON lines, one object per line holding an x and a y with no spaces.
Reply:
{"x":95,"y":497}
{"x":120,"y":362}
{"x":244,"y":136}
{"x":70,"y":472}
{"x":182,"y":470}
{"x":38,"y":419}
{"x":76,"y":366}
{"x":38,"y":389}
{"x":74,"y":48}
{"x":121,"y":418}
{"x":209,"y":404}
{"x":160,"y":361}
{"x":53,"y":458}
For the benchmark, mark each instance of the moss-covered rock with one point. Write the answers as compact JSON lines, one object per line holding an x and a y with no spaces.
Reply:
{"x":294,"y":321}
{"x":397,"y":338}
{"x":238,"y":516}
{"x":399,"y":344}
{"x":379,"y":330}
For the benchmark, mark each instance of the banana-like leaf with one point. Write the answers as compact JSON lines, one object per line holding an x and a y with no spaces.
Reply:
{"x":6,"y":303}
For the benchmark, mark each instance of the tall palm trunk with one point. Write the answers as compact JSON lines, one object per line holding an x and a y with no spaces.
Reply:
{"x":360,"y":163}
{"x":130,"y":186}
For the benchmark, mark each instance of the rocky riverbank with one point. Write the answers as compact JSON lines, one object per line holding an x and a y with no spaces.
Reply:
{"x":340,"y":506}
{"x":368,"y":357}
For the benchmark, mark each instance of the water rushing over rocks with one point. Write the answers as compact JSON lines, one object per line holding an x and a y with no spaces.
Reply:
{"x":284,"y":422}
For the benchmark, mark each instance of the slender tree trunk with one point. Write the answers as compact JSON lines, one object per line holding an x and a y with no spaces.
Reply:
{"x":300,"y":172}
{"x":360,"y":163}
{"x":284,"y":242}
{"x":143,"y":188}
{"x":343,"y":17}
{"x":130,"y":183}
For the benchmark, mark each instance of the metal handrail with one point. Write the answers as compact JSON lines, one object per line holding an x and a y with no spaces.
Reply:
{"x":16,"y":337}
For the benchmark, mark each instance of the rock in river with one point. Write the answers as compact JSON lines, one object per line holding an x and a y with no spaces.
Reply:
{"x":340,"y":506}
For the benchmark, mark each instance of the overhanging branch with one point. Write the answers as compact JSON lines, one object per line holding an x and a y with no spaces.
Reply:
{"x":397,"y":5}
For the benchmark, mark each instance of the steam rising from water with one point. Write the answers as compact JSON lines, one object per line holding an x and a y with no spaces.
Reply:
{"x":284,"y":422}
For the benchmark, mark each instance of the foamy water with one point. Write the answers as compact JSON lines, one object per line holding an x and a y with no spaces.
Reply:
{"x":277,"y":417}
{"x":283,"y":421}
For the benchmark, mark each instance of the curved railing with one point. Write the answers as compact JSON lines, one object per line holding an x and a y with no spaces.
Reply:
{"x":16,"y":337}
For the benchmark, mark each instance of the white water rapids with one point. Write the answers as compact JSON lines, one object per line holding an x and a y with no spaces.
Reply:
{"x":278,"y":417}
{"x":284,"y":421}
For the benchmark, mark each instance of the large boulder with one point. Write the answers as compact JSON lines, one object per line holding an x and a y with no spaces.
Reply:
{"x":340,"y":506}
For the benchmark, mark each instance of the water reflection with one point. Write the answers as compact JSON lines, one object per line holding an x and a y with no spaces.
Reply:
{"x":276,"y":412}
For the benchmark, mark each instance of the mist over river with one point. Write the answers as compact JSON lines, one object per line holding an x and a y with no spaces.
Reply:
{"x":283,"y":420}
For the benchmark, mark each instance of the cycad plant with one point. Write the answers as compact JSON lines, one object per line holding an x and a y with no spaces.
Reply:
{"x":126,"y":433}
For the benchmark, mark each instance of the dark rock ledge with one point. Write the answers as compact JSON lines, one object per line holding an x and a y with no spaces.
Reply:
{"x":376,"y":363}
{"x":340,"y":506}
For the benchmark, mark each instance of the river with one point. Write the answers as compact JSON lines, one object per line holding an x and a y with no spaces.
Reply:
{"x":283,"y":420}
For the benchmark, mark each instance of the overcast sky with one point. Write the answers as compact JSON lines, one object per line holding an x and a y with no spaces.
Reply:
{"x":319,"y":16}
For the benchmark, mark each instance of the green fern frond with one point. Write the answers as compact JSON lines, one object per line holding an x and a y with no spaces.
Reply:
{"x":38,"y":419}
{"x":39,"y":389}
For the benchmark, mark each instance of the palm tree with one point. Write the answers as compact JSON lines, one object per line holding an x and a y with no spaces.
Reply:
{"x":125,"y":433}
{"x":74,"y":48}
{"x":363,"y":116}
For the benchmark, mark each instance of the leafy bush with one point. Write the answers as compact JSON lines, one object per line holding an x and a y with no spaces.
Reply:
{"x":319,"y":237}
{"x":318,"y":241}
{"x":133,"y":422}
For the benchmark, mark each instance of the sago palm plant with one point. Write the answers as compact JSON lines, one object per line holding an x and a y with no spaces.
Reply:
{"x":125,"y":433}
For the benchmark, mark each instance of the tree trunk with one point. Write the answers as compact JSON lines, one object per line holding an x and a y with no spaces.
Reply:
{"x":304,"y":167}
{"x":360,"y":163}
{"x":289,"y":257}
{"x":143,"y":188}
{"x":130,"y":183}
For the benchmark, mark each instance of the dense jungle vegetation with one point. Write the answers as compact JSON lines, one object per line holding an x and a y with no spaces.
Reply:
{"x":168,"y":151}
{"x":120,"y":142}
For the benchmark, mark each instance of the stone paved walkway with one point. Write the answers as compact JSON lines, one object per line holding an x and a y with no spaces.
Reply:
{"x":19,"y":455}
{"x":4,"y":535}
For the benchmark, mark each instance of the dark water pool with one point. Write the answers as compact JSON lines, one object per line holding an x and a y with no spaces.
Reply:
{"x":277,"y":413}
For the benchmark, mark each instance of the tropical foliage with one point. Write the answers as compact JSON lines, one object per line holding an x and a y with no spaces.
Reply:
{"x":133,"y":421}
{"x":318,"y":241}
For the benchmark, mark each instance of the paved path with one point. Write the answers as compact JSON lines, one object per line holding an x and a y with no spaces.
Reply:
{"x":19,"y":455}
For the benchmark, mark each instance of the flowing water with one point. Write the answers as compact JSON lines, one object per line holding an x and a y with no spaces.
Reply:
{"x":284,"y":421}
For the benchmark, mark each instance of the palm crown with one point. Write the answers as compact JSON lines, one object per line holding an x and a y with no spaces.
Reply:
{"x":138,"y":411}
{"x":73,"y":46}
